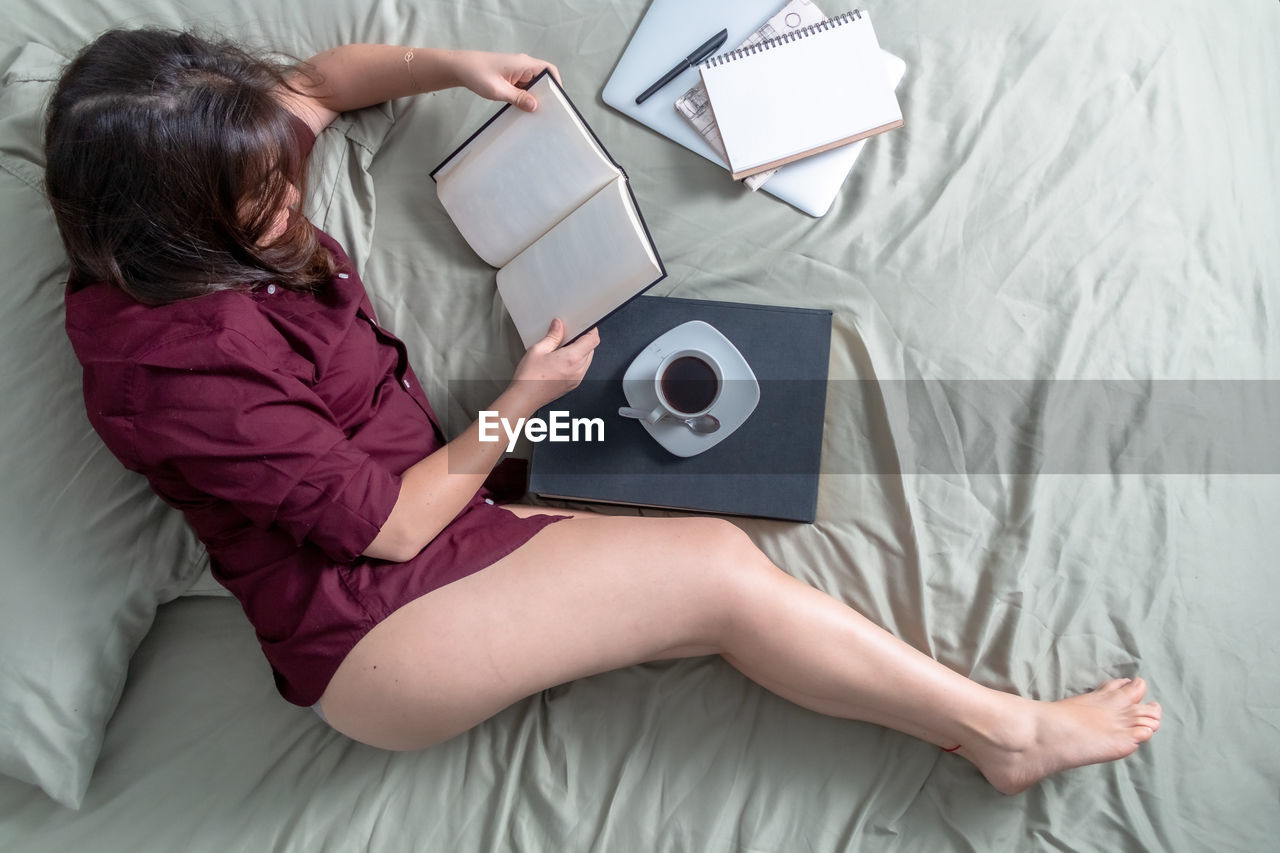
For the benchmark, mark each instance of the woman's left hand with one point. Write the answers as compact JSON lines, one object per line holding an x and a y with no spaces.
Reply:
{"x":499,"y":76}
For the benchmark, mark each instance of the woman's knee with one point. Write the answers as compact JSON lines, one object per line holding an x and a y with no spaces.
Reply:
{"x":725,"y":555}
{"x":729,"y":540}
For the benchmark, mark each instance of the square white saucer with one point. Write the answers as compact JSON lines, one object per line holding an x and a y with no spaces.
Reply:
{"x":739,"y":394}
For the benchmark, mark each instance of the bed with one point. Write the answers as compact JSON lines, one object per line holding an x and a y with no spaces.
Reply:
{"x":1048,"y":457}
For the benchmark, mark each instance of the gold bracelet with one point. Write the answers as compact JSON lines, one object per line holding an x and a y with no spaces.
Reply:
{"x":408,"y":65}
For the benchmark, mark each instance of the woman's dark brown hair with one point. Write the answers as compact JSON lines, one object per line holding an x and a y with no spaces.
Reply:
{"x":169,"y":158}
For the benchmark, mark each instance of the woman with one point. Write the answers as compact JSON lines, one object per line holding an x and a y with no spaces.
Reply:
{"x":231,"y":355}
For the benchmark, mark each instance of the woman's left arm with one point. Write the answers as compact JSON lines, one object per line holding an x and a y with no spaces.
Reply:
{"x":360,"y":75}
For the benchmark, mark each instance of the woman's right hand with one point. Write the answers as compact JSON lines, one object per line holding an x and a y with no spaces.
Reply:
{"x":500,"y":76}
{"x":549,"y":370}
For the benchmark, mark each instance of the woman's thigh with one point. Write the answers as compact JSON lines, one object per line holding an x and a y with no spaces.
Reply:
{"x":583,"y":596}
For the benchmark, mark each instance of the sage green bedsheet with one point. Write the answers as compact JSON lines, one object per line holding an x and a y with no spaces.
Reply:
{"x":1081,"y":212}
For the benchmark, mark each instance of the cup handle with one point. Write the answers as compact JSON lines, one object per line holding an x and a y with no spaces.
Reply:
{"x":656,"y":415}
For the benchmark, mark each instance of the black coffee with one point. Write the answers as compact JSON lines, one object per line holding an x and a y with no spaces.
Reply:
{"x":689,"y":384}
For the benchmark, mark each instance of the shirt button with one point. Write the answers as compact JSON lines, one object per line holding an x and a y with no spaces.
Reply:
{"x":489,"y":501}
{"x":406,"y":384}
{"x":343,"y":275}
{"x":271,"y":288}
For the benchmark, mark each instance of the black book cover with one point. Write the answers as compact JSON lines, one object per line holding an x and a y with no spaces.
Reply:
{"x":768,"y":467}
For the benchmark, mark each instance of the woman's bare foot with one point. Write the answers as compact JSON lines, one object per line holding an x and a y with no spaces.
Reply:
{"x":1107,"y":724}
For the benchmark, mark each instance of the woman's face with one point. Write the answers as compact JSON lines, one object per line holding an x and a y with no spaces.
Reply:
{"x":280,"y":221}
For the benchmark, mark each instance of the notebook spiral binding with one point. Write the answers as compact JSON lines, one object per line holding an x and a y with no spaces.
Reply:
{"x":786,"y":38}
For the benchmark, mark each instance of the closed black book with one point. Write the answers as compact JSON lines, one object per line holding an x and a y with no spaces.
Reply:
{"x":767,"y":467}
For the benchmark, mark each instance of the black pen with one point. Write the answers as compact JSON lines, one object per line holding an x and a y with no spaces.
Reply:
{"x":706,"y":49}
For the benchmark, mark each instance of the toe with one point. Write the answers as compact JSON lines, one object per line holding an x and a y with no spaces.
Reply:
{"x":1135,"y":690}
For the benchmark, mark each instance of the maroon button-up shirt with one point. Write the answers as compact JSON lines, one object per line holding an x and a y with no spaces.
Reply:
{"x":279,"y":422}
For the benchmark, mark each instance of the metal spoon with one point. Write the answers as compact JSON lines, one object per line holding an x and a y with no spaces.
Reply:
{"x":700,"y":424}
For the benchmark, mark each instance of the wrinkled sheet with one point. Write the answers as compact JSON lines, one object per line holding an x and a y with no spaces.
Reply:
{"x":1081,"y":208}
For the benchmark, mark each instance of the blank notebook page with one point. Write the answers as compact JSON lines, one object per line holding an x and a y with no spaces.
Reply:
{"x":803,"y":95}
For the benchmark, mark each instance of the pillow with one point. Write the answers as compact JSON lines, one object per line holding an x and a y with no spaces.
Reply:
{"x":90,"y":552}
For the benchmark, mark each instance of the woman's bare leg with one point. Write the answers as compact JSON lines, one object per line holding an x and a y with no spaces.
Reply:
{"x":596,"y":593}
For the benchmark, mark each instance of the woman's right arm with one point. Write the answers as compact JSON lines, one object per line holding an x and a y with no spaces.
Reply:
{"x":353,"y":76}
{"x":434,"y":491}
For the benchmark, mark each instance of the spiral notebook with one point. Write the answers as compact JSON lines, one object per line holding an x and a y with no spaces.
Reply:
{"x":809,"y":91}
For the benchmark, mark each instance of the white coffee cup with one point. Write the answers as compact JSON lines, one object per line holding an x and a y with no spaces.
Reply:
{"x":687,"y":383}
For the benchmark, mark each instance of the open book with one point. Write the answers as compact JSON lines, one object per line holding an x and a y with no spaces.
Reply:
{"x":536,"y":195}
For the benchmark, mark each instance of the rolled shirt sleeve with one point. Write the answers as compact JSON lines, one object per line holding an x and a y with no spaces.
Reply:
{"x":240,"y":429}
